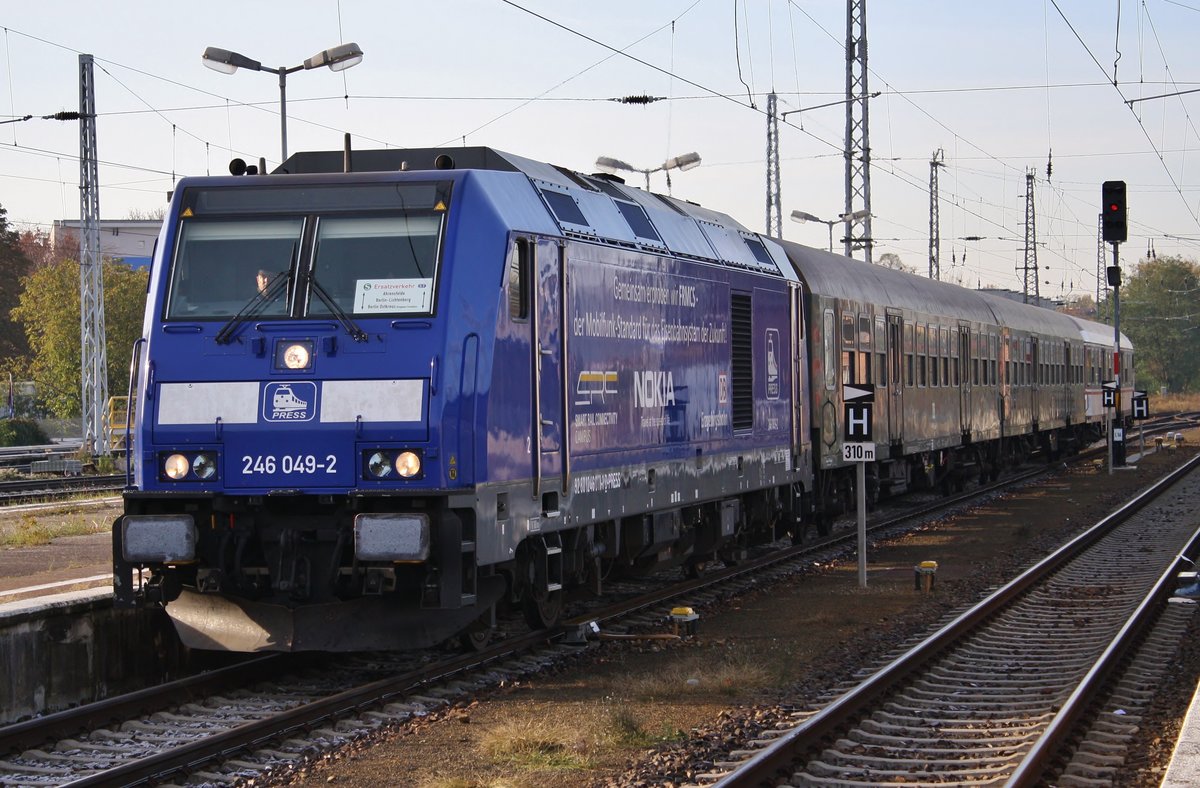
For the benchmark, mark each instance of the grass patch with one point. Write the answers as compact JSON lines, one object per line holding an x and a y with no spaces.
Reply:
{"x":1172,"y":403}
{"x":460,"y":782}
{"x":626,"y":730}
{"x":30,"y":531}
{"x":728,"y":675}
{"x":539,"y":744}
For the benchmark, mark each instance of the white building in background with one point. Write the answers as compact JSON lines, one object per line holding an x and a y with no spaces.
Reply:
{"x":131,"y":240}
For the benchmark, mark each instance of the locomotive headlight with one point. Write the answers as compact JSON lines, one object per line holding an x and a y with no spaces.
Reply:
{"x":176,"y":466}
{"x":379,"y":465}
{"x":204,"y":466}
{"x":296,"y":357}
{"x":293,"y":355}
{"x":408,"y":464}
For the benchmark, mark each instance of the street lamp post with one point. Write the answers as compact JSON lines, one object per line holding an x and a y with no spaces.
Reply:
{"x":683,"y":162}
{"x":338,"y":58}
{"x":802,"y":217}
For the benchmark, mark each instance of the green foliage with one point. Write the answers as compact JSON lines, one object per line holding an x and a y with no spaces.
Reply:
{"x":14,"y":265}
{"x":1160,"y":313}
{"x":49,"y":312}
{"x":22,"y":432}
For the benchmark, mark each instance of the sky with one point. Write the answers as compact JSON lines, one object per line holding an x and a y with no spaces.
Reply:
{"x":1000,"y":89}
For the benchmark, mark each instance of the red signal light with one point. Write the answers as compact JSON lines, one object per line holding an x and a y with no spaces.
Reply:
{"x":1114,"y":219}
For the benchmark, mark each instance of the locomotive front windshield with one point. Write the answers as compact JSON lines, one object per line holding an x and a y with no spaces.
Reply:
{"x":370,"y":255}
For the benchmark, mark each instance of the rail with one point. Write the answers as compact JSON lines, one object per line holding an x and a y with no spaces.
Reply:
{"x":769,"y":762}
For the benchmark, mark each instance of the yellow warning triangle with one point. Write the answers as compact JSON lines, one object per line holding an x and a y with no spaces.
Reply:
{"x":441,"y":206}
{"x":187,"y":213}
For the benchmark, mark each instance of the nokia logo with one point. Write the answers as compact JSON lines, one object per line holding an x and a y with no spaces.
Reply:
{"x":289,"y":401}
{"x":653,"y":389}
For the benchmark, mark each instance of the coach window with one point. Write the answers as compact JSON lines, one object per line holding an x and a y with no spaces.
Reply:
{"x":934,"y":379}
{"x":518,"y":280}
{"x":946,"y":357}
{"x":993,"y":353}
{"x":985,"y":350}
{"x":959,"y":349}
{"x":922,"y":356}
{"x":862,"y":372}
{"x":974,"y":359}
{"x":908,"y":355}
{"x":830,"y":350}
{"x":848,"y":345}
{"x":880,"y":353}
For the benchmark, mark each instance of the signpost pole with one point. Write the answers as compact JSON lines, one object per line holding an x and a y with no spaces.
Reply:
{"x":858,"y":400}
{"x":1117,"y":423}
{"x":1108,"y":429}
{"x":862,"y":524}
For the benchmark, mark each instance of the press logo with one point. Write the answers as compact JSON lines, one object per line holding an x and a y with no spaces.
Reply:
{"x":290,"y":401}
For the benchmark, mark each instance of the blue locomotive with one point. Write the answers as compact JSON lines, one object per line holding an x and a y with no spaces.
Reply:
{"x":374,"y":407}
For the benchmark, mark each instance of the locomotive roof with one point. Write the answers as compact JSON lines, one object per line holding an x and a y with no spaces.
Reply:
{"x":605,"y":208}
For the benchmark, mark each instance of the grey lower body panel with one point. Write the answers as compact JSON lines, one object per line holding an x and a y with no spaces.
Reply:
{"x":211,"y":621}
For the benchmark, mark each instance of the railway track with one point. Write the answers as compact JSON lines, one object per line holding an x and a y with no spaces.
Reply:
{"x":245,"y":720}
{"x":249,"y":724}
{"x":53,"y":488}
{"x":1000,"y":693}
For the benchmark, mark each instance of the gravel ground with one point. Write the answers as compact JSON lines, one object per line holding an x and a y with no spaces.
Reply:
{"x":654,"y":714}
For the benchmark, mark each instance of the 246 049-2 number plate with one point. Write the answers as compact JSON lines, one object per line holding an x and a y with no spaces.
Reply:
{"x":302,"y":464}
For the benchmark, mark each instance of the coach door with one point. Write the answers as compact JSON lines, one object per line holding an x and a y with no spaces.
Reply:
{"x":895,"y":364}
{"x":549,"y":287}
{"x":1035,"y":381}
{"x":962,"y":379}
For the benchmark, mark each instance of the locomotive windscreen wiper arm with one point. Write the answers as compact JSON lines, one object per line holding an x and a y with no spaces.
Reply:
{"x":347,"y":322}
{"x":253,"y":307}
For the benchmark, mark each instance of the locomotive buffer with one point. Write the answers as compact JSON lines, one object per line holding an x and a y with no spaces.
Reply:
{"x":857,"y":447}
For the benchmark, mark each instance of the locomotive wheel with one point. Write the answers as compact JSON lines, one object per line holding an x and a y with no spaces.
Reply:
{"x":476,"y":637}
{"x":824,"y":523}
{"x":543,"y":613}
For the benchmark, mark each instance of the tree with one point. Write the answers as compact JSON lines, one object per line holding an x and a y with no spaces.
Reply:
{"x":40,"y":250}
{"x":1080,"y":306}
{"x":49,"y":312}
{"x":13,"y":265}
{"x":1160,"y":313}
{"x":893,"y":261}
{"x":155,"y":214}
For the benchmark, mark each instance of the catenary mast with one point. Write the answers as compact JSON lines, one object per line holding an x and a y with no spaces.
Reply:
{"x":858,"y":146}
{"x":91,"y":280}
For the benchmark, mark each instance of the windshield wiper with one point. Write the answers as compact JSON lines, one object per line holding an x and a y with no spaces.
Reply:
{"x":255,"y":305}
{"x":346,"y":321}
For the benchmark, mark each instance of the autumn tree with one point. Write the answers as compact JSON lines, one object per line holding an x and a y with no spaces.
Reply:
{"x":40,"y":249}
{"x":1160,"y":313}
{"x":49,"y":312}
{"x":893,"y":261}
{"x":13,"y":266}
